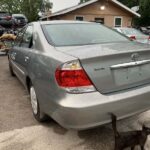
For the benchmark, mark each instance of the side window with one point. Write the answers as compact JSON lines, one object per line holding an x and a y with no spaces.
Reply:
{"x":19,"y":37}
{"x":79,"y":18}
{"x":118,"y":22}
{"x":27,"y":37}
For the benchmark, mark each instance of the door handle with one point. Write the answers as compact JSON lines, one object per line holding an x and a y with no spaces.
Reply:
{"x":26,"y":58}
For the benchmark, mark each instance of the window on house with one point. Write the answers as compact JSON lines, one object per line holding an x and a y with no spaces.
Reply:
{"x":99,"y":20}
{"x":79,"y":18}
{"x":118,"y":22}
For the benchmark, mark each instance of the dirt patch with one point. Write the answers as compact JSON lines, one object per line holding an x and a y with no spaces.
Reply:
{"x":15,"y":109}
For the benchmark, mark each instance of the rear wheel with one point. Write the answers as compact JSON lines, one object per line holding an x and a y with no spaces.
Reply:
{"x":39,"y":116}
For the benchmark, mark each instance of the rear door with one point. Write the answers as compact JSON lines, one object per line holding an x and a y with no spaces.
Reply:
{"x":23,"y":52}
{"x":14,"y":54}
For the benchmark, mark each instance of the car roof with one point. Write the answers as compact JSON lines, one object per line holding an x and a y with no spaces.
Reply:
{"x":18,"y":15}
{"x":64,"y":22}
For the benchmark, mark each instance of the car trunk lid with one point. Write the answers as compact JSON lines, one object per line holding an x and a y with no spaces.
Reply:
{"x":114,"y":67}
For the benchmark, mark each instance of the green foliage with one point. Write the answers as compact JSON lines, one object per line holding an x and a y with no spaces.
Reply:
{"x":130,"y":3}
{"x":28,"y":7}
{"x":145,"y":13}
{"x":144,"y":6}
{"x":10,"y":6}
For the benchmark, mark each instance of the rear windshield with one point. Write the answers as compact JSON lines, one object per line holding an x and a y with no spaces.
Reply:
{"x":19,"y":17}
{"x":80,"y":34}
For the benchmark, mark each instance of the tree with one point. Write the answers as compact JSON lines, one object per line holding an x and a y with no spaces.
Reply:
{"x":48,"y":5}
{"x":30,"y":8}
{"x":130,"y":3}
{"x":144,"y":11}
{"x":10,"y":6}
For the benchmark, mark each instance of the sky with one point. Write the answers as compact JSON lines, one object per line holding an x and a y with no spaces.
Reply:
{"x":61,"y":4}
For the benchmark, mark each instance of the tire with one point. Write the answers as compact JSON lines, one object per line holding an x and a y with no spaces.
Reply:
{"x":11,"y":71}
{"x":39,"y":116}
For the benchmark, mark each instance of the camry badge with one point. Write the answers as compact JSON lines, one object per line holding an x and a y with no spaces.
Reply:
{"x":135,"y":57}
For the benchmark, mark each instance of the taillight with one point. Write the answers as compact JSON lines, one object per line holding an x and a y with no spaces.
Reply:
{"x":72,"y":77}
{"x":149,"y":38}
{"x":132,"y":37}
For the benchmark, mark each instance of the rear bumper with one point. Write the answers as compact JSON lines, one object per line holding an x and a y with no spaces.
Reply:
{"x":83,"y":111}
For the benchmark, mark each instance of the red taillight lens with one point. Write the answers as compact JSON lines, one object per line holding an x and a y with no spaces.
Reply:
{"x":132,"y":37}
{"x":72,"y":78}
{"x":149,"y":38}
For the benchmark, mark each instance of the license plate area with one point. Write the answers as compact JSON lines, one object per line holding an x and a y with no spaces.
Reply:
{"x":131,"y":75}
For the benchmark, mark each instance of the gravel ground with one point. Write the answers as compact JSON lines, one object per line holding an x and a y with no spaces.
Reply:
{"x":20,"y":131}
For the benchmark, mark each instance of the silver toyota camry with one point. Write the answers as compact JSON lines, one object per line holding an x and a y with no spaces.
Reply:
{"x":79,"y":72}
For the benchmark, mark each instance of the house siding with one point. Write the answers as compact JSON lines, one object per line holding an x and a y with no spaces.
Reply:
{"x":92,"y":11}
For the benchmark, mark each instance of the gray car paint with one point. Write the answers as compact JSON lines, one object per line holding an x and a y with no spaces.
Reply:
{"x":86,"y":110}
{"x":98,"y":59}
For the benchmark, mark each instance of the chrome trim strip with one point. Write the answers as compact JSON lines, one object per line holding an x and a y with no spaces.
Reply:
{"x":16,"y":66}
{"x":131,"y":64}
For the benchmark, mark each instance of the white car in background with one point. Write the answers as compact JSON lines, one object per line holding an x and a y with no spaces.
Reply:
{"x":19,"y":20}
{"x":134,"y":34}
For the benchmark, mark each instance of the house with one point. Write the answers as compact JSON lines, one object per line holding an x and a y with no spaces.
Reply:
{"x":109,"y":12}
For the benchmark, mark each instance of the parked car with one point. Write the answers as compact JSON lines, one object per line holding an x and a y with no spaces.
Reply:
{"x":145,"y":30}
{"x":79,"y":72}
{"x":5,"y":19}
{"x":19,"y":20}
{"x":2,"y":30}
{"x":134,"y":34}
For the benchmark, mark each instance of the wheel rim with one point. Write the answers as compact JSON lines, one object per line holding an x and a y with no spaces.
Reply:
{"x":34,"y":102}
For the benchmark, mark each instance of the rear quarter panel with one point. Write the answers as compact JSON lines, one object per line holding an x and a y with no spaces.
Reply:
{"x":44,"y":61}
{"x":42,"y":73}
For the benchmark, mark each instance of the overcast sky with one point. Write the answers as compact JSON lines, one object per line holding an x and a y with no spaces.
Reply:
{"x":61,"y":4}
